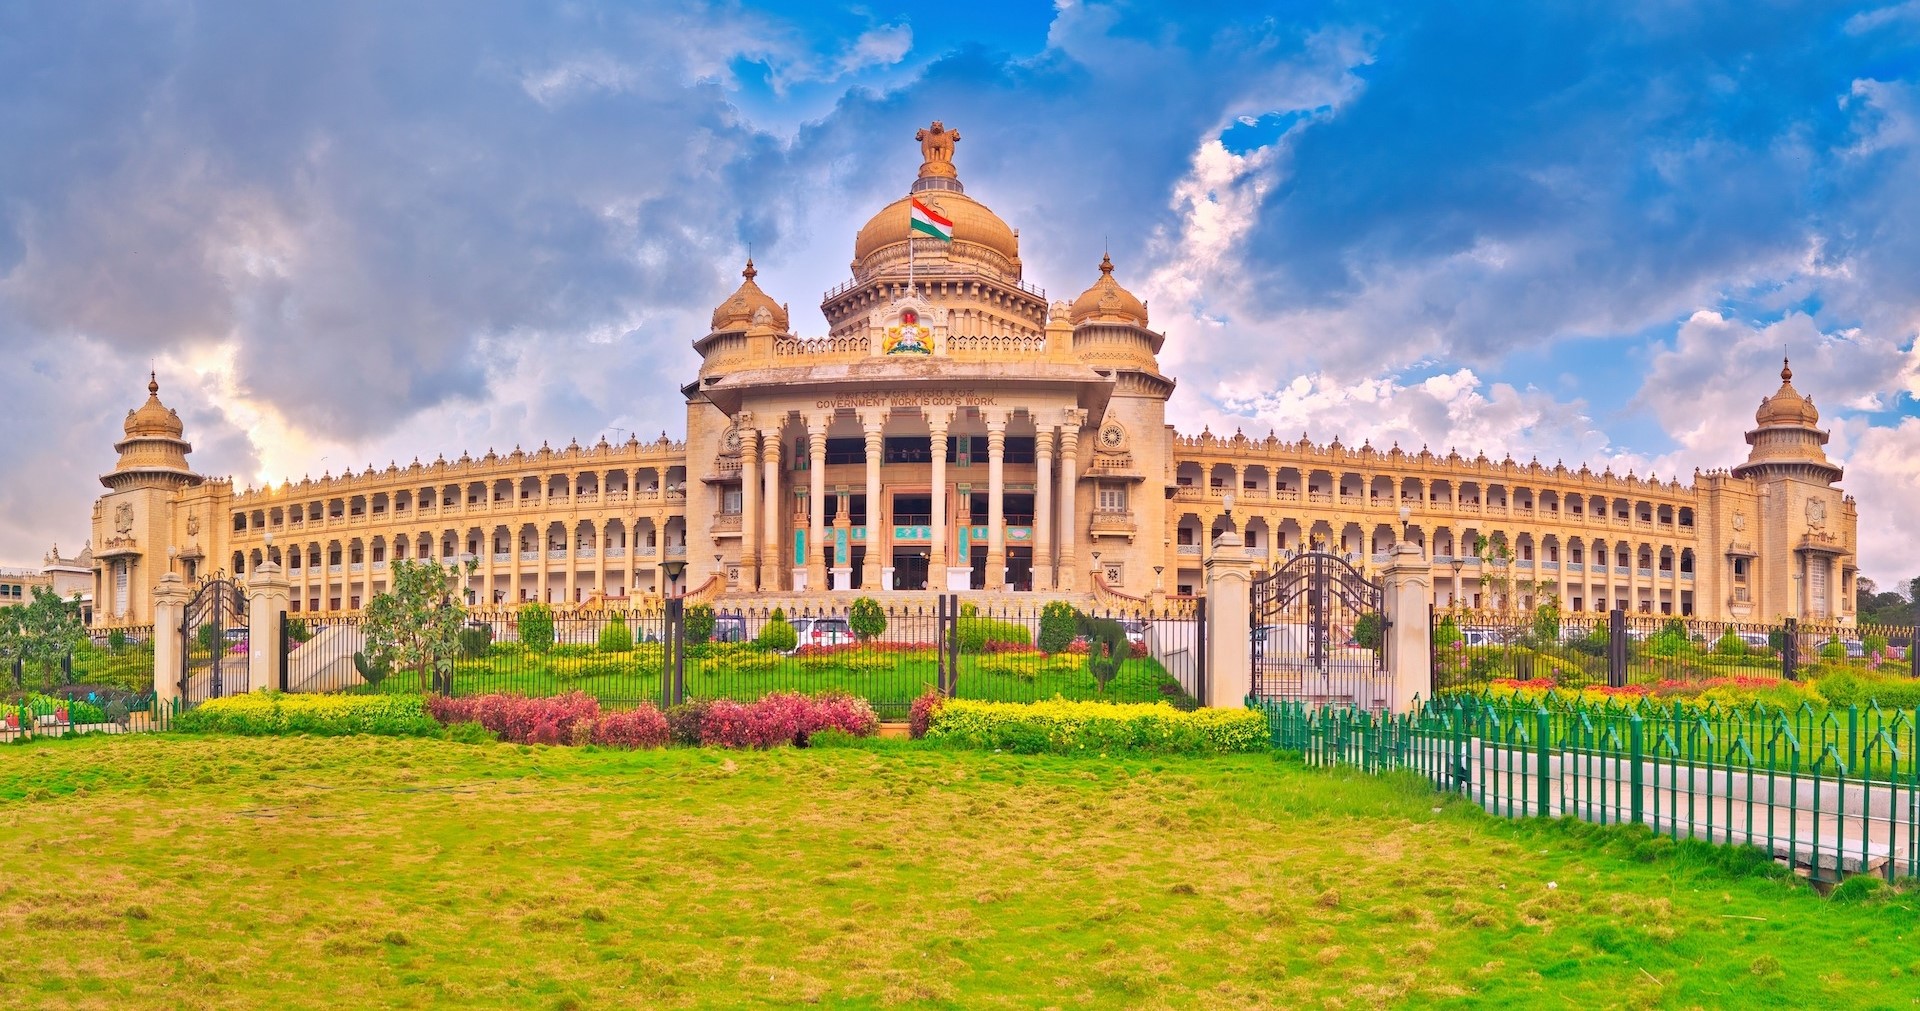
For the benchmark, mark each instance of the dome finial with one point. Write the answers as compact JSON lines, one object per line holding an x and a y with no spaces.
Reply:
{"x":749,"y":273}
{"x":153,"y":384}
{"x":1786,"y":369}
{"x":936,"y":151}
{"x":1106,"y":265}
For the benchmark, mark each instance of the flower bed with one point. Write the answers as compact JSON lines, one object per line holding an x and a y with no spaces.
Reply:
{"x":1063,"y":727}
{"x":781,"y":718}
{"x":261,"y":713}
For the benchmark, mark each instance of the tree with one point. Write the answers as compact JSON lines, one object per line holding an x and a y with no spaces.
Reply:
{"x":1496,"y":569}
{"x":1546,"y":620}
{"x":1370,"y":631}
{"x":699,"y":624}
{"x":39,"y":634}
{"x":866,"y":619}
{"x":417,"y":620}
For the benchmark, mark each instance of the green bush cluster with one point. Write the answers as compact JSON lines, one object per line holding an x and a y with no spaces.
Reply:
{"x":1063,"y":727}
{"x":855,"y":662}
{"x":1731,"y":645}
{"x":475,"y":640}
{"x":1855,"y":688}
{"x":536,"y":627}
{"x":699,"y":621}
{"x":974,"y":632}
{"x":1027,"y":667}
{"x":267,"y":713}
{"x":37,"y":705}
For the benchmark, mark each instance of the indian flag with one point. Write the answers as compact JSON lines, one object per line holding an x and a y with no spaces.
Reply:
{"x":926,"y":219}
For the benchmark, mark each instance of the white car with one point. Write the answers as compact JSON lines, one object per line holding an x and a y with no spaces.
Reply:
{"x":821,"y":632}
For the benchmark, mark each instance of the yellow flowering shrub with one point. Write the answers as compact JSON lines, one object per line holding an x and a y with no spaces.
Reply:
{"x":1066,"y":727}
{"x":264,"y":713}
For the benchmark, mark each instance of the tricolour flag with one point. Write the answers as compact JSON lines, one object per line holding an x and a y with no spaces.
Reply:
{"x":926,"y":219}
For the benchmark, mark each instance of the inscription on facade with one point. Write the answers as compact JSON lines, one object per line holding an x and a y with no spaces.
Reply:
{"x":908,"y":398}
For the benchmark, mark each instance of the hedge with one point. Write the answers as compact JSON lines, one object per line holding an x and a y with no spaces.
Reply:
{"x":265,"y":713}
{"x":1064,"y":727}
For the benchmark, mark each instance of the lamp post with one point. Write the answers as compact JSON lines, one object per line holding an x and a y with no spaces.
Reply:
{"x":1226,"y":502}
{"x":673,"y":570}
{"x":1406,"y":518}
{"x":1458,"y":564}
{"x":1096,"y":568}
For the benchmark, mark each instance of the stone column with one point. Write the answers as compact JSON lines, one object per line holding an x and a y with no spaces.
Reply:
{"x":266,"y":599}
{"x":169,"y":613}
{"x":874,"y":423}
{"x":1043,"y":508}
{"x":817,"y":501}
{"x":1229,"y":673}
{"x":1069,"y":484}
{"x":937,"y":422}
{"x":1406,"y":602}
{"x":513,"y":565}
{"x":771,"y":509}
{"x":996,"y":510}
{"x":749,"y":510}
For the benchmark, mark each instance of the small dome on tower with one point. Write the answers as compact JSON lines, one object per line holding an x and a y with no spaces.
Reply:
{"x":1786,"y":406}
{"x":740,"y":311}
{"x":153,"y":417}
{"x":1107,"y":302}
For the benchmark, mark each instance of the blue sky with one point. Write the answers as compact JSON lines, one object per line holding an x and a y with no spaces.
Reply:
{"x":347,"y":233}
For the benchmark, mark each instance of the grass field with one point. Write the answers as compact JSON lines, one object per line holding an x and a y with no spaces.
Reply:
{"x":170,"y":870}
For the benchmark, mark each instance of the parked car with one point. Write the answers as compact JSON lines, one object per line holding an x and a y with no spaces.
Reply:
{"x":821,"y":632}
{"x":1755,"y":640}
{"x":729,"y":628}
{"x":1136,"y":632}
{"x":1855,"y":649}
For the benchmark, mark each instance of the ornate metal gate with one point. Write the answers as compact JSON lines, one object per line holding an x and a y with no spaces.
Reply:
{"x":213,"y":642}
{"x":1318,"y":633}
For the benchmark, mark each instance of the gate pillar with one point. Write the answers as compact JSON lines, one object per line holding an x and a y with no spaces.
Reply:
{"x":169,"y":613}
{"x":1229,"y":674}
{"x":266,"y":601}
{"x":1407,"y":592}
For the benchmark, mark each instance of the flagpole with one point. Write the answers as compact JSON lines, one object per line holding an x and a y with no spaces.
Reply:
{"x":909,"y":262}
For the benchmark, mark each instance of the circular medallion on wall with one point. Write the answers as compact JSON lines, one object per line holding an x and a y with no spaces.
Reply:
{"x":1113,"y":436}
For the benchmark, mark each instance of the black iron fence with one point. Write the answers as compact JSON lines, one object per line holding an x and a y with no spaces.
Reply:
{"x":887,"y":654}
{"x":1640,"y":653}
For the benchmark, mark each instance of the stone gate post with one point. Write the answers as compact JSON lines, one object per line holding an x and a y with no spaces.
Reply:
{"x":266,"y":600}
{"x":1407,"y":585}
{"x":1229,"y":623}
{"x":169,"y":612}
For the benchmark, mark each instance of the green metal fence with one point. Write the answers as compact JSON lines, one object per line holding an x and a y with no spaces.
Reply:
{"x":1832,"y":793}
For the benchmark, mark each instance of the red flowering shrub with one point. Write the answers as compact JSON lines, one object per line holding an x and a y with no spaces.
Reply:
{"x":644,"y":727}
{"x":996,"y":646}
{"x":1139,"y":650}
{"x":922,"y":713}
{"x":1078,"y":646}
{"x":848,"y":714}
{"x":727,"y":724}
{"x":518,"y":719}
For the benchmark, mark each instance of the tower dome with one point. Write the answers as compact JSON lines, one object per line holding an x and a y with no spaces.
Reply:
{"x":153,"y":452}
{"x":1786,"y":438}
{"x":741,"y":309}
{"x":1786,"y":407}
{"x":1107,"y":302}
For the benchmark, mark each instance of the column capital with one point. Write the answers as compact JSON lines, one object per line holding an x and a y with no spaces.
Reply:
{"x":873,"y":419}
{"x":1072,"y":419}
{"x":996,"y":419}
{"x":817,"y":421}
{"x":938,"y":418}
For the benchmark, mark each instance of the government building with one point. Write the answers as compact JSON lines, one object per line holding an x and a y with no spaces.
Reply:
{"x":955,"y":428}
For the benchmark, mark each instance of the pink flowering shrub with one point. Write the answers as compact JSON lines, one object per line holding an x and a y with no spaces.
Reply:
{"x":573,"y":718}
{"x":921,"y":714}
{"x":783,"y":718}
{"x":643,"y":727}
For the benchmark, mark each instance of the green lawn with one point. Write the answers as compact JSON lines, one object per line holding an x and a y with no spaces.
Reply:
{"x":170,"y":870}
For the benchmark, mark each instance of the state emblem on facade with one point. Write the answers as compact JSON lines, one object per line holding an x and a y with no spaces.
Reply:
{"x":910,"y":337}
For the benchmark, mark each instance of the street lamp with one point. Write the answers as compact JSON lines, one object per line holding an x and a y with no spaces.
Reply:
{"x":1458,"y":564}
{"x":1406,"y":517}
{"x":1096,"y":568}
{"x":1226,"y":502}
{"x":673,"y":570}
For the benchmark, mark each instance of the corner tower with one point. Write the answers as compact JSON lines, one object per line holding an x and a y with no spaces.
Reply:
{"x":133,"y":523}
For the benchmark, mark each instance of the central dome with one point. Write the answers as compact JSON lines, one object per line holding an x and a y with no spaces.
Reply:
{"x":1787,"y":407}
{"x":972,"y":223}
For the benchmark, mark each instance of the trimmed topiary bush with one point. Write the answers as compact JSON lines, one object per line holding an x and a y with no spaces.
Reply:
{"x":475,"y":640}
{"x":1056,"y":626}
{"x":615,"y":637}
{"x":1730,"y":644}
{"x":536,"y":627}
{"x":699,"y":620}
{"x":776,"y":636}
{"x":867,"y":619}
{"x":1370,"y":631}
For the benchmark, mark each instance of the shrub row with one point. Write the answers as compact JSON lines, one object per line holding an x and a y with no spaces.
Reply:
{"x":261,"y":713}
{"x":1064,"y":727}
{"x":574,"y":718}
